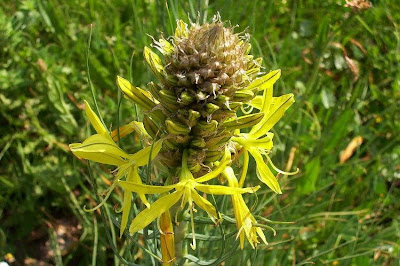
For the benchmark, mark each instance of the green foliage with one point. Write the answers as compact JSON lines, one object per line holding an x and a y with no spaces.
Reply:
{"x":341,"y":65}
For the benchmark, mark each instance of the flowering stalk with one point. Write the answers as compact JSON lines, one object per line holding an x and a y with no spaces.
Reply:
{"x":192,"y":127}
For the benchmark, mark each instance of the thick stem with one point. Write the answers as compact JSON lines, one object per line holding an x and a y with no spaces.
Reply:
{"x":180,"y":231}
{"x":180,"y":234}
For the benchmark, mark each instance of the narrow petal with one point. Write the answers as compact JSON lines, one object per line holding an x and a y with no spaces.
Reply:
{"x":244,"y":168}
{"x":257,"y":102}
{"x":128,"y":129}
{"x":223,"y":190}
{"x":154,"y":62}
{"x":95,"y":121}
{"x":164,"y":46}
{"x":229,"y":174}
{"x":275,"y":113}
{"x":145,"y":189}
{"x":101,"y":149}
{"x":265,"y":109}
{"x":262,"y":236}
{"x":181,"y":30}
{"x":264,"y":143}
{"x":266,"y":81}
{"x":148,"y":215}
{"x":226,"y":159}
{"x":264,"y":173}
{"x":126,"y":207}
{"x":204,"y":204}
{"x":142,"y":157}
{"x":133,"y":176}
{"x":135,"y":94}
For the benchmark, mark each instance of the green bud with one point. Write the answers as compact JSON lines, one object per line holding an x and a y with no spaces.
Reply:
{"x":243,"y":95}
{"x":175,"y":127}
{"x":194,"y":168}
{"x":198,"y":142}
{"x":193,"y":117}
{"x":243,"y":121}
{"x":221,"y":99}
{"x":213,"y":156}
{"x":211,"y":108}
{"x":186,"y":98}
{"x":154,"y":90}
{"x":167,"y":96}
{"x":151,"y":127}
{"x":233,"y":106}
{"x":200,"y":96}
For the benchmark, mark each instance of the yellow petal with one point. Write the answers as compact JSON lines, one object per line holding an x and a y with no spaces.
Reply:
{"x":264,"y":143}
{"x":142,"y":157}
{"x":126,"y":207}
{"x":135,"y":94}
{"x":95,"y":121}
{"x":262,"y":236}
{"x":128,"y":129}
{"x":101,"y":149}
{"x":145,"y":189}
{"x":164,"y":46}
{"x":181,"y":30}
{"x":275,"y":113}
{"x":145,"y":217}
{"x":223,"y":163}
{"x":154,"y":61}
{"x":223,"y":190}
{"x":204,"y":204}
{"x":245,"y":167}
{"x":266,"y":81}
{"x":133,"y":176}
{"x":266,"y":104}
{"x":264,"y":173}
{"x":257,"y":102}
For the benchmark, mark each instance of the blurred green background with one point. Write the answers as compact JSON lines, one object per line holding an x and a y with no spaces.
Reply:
{"x":343,"y":132}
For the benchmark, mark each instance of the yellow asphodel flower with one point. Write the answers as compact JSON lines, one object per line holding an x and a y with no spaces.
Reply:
{"x":245,"y":221}
{"x":258,"y":142}
{"x":186,"y":192}
{"x":101,"y":148}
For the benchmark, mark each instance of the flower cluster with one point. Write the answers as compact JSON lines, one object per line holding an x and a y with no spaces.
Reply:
{"x":197,"y":124}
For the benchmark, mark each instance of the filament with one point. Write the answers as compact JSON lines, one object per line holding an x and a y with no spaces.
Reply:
{"x":280,"y":171}
{"x":245,"y":167}
{"x":110,"y":189}
{"x":193,"y":245}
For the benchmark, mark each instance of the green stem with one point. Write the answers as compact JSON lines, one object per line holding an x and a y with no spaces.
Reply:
{"x":180,"y":231}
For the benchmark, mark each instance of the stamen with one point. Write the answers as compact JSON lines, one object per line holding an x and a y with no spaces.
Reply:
{"x":110,"y":189}
{"x":193,"y":245}
{"x":159,"y":227}
{"x":245,"y":167}
{"x":280,"y":171}
{"x":265,"y":227}
{"x":249,"y":109}
{"x":239,"y":232}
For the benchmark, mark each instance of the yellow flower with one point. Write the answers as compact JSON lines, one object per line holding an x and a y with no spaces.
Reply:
{"x":258,"y":142}
{"x":245,"y":221}
{"x":101,"y":148}
{"x":186,"y":192}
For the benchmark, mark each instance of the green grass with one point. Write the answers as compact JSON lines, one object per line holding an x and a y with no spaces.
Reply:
{"x":342,"y":66}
